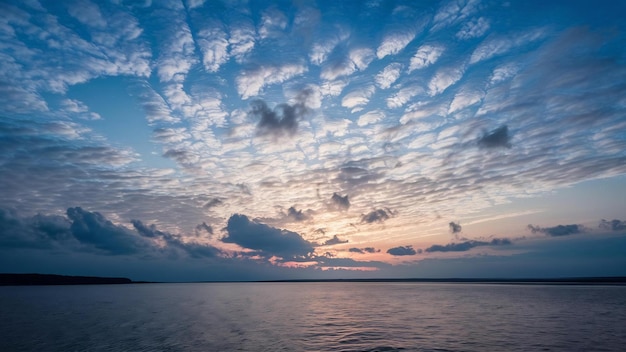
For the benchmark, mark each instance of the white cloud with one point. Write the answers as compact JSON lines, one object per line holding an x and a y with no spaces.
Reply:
{"x":444,"y":78}
{"x":371,"y":117}
{"x":503,"y":72}
{"x":192,"y":4}
{"x":154,"y":105}
{"x":357,"y":59}
{"x":273,"y":21}
{"x":464,"y":98}
{"x":213,"y":43}
{"x":332,"y":88}
{"x":473,"y":29}
{"x":79,"y":109}
{"x":422,"y":141}
{"x":332,"y":71}
{"x":358,"y":97}
{"x":394,"y":42}
{"x":242,"y":40}
{"x":388,"y":75}
{"x":177,"y":56}
{"x":453,"y":12}
{"x":403,"y":96}
{"x":249,"y":83}
{"x":361,"y":57}
{"x":87,"y":13}
{"x":320,"y":51}
{"x":425,"y":56}
{"x":500,"y":45}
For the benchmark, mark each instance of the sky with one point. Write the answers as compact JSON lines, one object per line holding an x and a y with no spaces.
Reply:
{"x":255,"y":140}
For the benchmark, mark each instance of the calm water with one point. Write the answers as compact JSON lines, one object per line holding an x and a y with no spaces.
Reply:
{"x":313,"y":317}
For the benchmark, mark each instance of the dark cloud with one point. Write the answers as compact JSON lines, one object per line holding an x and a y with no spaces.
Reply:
{"x":467,"y":245}
{"x":455,"y":227}
{"x":38,"y":231}
{"x":334,"y":240}
{"x":280,"y":121}
{"x":378,"y":215}
{"x":244,"y":188}
{"x":402,"y":250}
{"x":94,"y":229}
{"x":498,"y":138}
{"x":265,"y":239}
{"x":364,"y":250}
{"x":559,"y":230}
{"x":205,"y":227}
{"x":339,"y":202}
{"x":195,"y":250}
{"x":296,"y":215}
{"x":213,"y":203}
{"x":613,"y":225}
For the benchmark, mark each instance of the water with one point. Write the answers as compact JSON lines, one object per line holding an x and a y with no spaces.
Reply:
{"x":313,"y":317}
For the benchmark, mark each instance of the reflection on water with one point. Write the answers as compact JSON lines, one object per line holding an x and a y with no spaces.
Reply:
{"x":313,"y":317}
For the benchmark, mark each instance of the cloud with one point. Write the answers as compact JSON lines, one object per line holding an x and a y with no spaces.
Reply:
{"x":296,"y":215}
{"x":425,"y":56}
{"x":242,"y":39}
{"x":498,"y":138}
{"x":404,"y":95}
{"x":363,"y":250}
{"x":280,"y":121}
{"x":388,"y":75}
{"x":320,"y":51}
{"x":473,"y":29}
{"x":402,"y":250}
{"x":559,"y":230}
{"x":444,"y":78}
{"x":340,"y":203}
{"x":205,"y":227}
{"x":358,"y":97}
{"x":371,"y":117}
{"x":395,"y":41}
{"x":355,"y":60}
{"x":39,"y":231}
{"x":192,"y":249}
{"x":500,"y":45}
{"x":467,"y":245}
{"x":334,"y":240}
{"x":453,"y":12}
{"x":273,"y":23}
{"x":213,"y":203}
{"x":613,"y":225}
{"x":213,"y":43}
{"x":378,"y":215}
{"x":454,"y":227}
{"x":94,"y":229}
{"x":267,"y":240}
{"x":251,"y":82}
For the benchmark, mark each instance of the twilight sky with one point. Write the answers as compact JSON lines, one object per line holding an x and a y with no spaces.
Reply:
{"x":227,"y":140}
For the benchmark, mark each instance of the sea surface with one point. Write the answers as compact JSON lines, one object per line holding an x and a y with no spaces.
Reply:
{"x":330,"y":316}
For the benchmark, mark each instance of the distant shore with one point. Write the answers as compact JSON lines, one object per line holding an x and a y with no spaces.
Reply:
{"x":49,"y":279}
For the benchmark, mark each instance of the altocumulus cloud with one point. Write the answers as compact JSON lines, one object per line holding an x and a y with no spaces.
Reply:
{"x":265,"y":239}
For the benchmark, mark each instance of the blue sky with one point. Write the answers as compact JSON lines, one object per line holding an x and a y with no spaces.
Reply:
{"x":202,"y":140}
